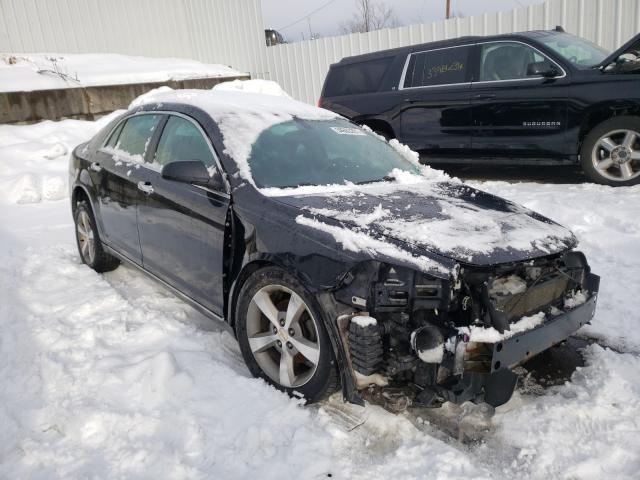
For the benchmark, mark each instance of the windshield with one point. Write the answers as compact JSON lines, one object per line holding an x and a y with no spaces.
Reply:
{"x":580,"y":52}
{"x":322,"y":152}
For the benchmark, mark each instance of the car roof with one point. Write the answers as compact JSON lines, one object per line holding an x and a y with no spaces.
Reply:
{"x":218,"y":103}
{"x":533,"y":34}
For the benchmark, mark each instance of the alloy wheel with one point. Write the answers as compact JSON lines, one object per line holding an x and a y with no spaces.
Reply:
{"x":616,"y":155}
{"x":86,"y":238}
{"x":283,"y":335}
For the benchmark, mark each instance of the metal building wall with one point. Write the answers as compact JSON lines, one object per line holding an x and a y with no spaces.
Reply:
{"x":215,"y":31}
{"x":301,"y":67}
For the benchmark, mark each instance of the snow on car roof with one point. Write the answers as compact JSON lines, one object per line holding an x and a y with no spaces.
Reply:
{"x":240,"y":115}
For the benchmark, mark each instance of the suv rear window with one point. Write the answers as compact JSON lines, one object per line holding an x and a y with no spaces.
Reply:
{"x":437,"y":67}
{"x":363,"y":77}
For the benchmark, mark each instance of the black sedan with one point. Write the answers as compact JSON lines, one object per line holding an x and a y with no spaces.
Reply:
{"x":337,"y":258}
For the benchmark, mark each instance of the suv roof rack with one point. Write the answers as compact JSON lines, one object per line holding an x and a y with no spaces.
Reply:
{"x":559,"y":28}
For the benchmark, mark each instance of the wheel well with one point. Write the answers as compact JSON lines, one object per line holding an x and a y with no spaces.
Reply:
{"x":598,"y":116}
{"x":78,"y":195}
{"x":379,"y":126}
{"x":242,"y":277}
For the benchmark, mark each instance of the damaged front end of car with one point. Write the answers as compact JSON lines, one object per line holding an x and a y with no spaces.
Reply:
{"x":418,"y":339}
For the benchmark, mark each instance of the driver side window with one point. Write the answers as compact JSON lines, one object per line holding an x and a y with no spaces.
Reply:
{"x":181,"y":140}
{"x":508,"y":61}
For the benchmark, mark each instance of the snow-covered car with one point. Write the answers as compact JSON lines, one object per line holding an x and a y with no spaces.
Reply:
{"x":337,"y":258}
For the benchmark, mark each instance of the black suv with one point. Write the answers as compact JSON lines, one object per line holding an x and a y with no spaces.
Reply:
{"x":541,"y":98}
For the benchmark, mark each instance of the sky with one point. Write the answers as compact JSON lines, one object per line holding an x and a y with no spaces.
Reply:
{"x":281,"y":14}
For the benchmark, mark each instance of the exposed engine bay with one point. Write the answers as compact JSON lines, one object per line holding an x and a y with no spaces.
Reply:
{"x":430,"y":340}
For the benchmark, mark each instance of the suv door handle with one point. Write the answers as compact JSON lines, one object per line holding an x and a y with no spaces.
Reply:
{"x":146,"y":187}
{"x":95,"y":167}
{"x":484,"y":96}
{"x":409,"y":100}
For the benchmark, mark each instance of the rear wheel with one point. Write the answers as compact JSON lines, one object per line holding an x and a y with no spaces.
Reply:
{"x":610,"y":153}
{"x":282,"y":336}
{"x":89,"y":245}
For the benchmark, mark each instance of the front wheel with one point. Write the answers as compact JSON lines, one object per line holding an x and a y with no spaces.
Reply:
{"x":282,"y":336}
{"x":610,"y":154}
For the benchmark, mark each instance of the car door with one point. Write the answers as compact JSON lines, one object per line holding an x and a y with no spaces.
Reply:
{"x":518,"y":112}
{"x":436,"y":101}
{"x":115,"y":172}
{"x":182,"y":225}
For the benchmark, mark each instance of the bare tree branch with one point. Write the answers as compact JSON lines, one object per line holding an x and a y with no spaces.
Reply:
{"x":371,"y":15}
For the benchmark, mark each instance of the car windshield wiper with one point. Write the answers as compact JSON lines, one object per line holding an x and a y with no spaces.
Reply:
{"x":386,"y":178}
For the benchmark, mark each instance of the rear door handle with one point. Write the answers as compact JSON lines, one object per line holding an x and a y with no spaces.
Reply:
{"x":95,"y":166}
{"x":484,"y":96}
{"x":146,"y":187}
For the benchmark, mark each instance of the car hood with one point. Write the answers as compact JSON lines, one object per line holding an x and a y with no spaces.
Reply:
{"x":448,"y":219}
{"x":632,"y":45}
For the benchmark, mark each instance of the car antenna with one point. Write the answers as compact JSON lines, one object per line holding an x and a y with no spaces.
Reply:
{"x":559,"y":28}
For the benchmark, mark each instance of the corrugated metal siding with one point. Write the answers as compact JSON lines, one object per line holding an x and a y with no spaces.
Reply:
{"x":231,"y":32}
{"x":216,"y":31}
{"x":609,"y":23}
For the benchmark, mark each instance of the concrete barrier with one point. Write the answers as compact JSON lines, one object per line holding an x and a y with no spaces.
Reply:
{"x":86,"y":102}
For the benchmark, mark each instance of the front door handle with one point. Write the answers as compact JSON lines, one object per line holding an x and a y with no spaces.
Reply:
{"x":484,"y":96}
{"x":409,"y":100}
{"x":95,"y":167}
{"x":146,"y":187}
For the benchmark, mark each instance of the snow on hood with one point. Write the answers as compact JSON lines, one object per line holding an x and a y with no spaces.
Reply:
{"x":241,"y":115}
{"x":449,"y":219}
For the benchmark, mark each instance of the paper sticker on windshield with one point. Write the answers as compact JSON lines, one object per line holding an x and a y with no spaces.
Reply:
{"x":347,"y":131}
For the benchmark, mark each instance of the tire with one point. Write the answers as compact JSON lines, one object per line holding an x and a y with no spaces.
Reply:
{"x":610,"y":153}
{"x":271,"y":346}
{"x":88,"y":241}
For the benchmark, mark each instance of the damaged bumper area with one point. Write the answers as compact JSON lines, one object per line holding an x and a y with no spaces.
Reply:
{"x":487,"y":366}
{"x":416,"y":340}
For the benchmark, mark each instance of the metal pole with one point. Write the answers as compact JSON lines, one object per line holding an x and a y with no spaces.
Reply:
{"x":448,"y":9}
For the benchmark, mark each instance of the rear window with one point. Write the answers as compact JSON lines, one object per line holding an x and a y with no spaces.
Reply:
{"x":437,"y":67}
{"x":363,"y":77}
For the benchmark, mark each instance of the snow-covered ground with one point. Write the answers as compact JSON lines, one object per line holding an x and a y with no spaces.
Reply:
{"x":27,"y":72}
{"x":108,"y":376}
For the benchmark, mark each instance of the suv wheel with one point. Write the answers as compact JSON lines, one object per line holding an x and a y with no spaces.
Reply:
{"x":282,"y":336}
{"x":88,"y":241}
{"x":610,"y":153}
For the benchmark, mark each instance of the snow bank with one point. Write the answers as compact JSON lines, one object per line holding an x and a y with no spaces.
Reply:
{"x":27,"y":72}
{"x":585,"y":429}
{"x":34,"y":159}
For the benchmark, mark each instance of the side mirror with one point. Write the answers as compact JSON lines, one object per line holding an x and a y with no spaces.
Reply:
{"x":190,"y":171}
{"x":542,"y":69}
